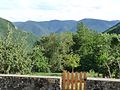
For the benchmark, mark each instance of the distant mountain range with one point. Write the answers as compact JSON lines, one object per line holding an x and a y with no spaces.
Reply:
{"x":58,"y":26}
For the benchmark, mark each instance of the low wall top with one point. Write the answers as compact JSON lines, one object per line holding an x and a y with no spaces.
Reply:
{"x":104,"y":79}
{"x":31,"y":76}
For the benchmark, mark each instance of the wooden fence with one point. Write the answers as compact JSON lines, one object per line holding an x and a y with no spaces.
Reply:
{"x":73,"y":81}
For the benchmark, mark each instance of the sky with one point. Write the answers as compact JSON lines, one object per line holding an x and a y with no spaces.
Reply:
{"x":44,"y":10}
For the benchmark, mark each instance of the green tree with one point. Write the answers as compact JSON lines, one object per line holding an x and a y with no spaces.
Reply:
{"x":50,"y":50}
{"x":55,"y":48}
{"x":84,"y":46}
{"x":14,"y":57}
{"x":72,"y":60}
{"x":40,"y":62}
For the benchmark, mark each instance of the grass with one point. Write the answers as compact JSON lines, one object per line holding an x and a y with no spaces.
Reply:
{"x":47,"y":74}
{"x":93,"y":74}
{"x":89,"y":74}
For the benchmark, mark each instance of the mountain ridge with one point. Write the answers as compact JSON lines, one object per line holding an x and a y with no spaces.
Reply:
{"x":58,"y":26}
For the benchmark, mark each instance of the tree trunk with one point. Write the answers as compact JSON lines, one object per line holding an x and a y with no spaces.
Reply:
{"x":110,"y":75}
{"x":72,"y":69}
{"x":117,"y":74}
{"x":118,"y":64}
{"x":8,"y":69}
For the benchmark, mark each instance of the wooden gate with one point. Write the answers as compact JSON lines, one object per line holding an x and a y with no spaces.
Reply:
{"x":73,"y":81}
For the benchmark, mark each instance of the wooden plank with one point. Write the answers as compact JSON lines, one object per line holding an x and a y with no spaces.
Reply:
{"x":76,"y":81}
{"x":80,"y":86}
{"x":72,"y":83}
{"x":68,"y":80}
{"x":63,"y":80}
{"x":84,"y":81}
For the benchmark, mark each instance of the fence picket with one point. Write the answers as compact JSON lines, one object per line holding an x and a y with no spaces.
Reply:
{"x":80,"y":86}
{"x":68,"y":80}
{"x":84,"y":81}
{"x":63,"y":82}
{"x":72,"y":81}
{"x":76,"y":81}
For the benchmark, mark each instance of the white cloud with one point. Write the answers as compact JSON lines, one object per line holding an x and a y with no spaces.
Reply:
{"x":40,"y":10}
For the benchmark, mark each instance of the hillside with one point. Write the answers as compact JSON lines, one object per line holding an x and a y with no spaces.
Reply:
{"x":99,"y":25}
{"x":57,"y":26}
{"x":114,"y":29}
{"x":6,"y":26}
{"x":46,"y":27}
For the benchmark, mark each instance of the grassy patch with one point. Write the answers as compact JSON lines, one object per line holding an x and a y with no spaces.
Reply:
{"x":89,"y":74}
{"x":93,"y":74}
{"x":47,"y":74}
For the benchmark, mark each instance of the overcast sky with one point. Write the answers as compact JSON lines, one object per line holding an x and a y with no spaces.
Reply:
{"x":43,"y":10}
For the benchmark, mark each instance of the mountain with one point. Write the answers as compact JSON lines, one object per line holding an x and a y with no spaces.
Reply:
{"x":57,"y":26}
{"x":99,"y":25}
{"x":46,"y":27}
{"x":6,"y":26}
{"x":114,"y":29}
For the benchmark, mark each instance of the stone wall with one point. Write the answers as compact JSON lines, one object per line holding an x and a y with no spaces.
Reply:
{"x":102,"y":84}
{"x":24,"y":82}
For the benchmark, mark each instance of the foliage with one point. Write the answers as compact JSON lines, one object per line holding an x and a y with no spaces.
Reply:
{"x":85,"y":50}
{"x":72,"y":60}
{"x":55,"y":48}
{"x":97,"y":51}
{"x":14,"y":57}
{"x":40,"y":63}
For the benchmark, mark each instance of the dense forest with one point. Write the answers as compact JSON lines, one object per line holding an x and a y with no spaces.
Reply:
{"x":84,"y":50}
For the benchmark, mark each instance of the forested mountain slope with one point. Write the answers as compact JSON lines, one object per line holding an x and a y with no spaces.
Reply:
{"x":114,"y":29}
{"x":57,"y":26}
{"x":7,"y":26}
